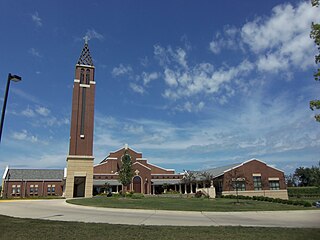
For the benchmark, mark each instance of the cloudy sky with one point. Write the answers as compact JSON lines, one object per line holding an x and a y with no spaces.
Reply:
{"x":190,"y":84}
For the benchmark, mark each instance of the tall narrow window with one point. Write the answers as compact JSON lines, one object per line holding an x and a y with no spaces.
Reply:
{"x":82,"y":76}
{"x":257,"y":183}
{"x":274,"y":185}
{"x":87,"y":76}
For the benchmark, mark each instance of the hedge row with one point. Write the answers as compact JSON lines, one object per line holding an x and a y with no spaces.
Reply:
{"x":304,"y":191}
{"x":268,"y":199}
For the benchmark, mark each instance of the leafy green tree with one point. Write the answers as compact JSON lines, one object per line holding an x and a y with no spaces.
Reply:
{"x":315,"y":35}
{"x":189,"y":178}
{"x":308,"y":176}
{"x":126,"y":172}
{"x":207,"y":178}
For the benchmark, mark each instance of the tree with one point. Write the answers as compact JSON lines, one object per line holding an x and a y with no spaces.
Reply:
{"x":126,"y":173}
{"x":291,"y":180}
{"x":315,"y":35}
{"x":308,"y":176}
{"x":189,"y":178}
{"x":236,"y":181}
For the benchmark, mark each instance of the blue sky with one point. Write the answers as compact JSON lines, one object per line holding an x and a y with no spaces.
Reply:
{"x":190,"y":84}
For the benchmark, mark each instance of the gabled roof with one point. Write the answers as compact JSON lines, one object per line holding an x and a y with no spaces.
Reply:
{"x":216,"y":172}
{"x":32,"y":174}
{"x":85,"y":57}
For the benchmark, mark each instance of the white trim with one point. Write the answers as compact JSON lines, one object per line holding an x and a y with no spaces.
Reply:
{"x":92,"y":82}
{"x":35,"y":180}
{"x":142,"y":165}
{"x":245,"y":162}
{"x":82,"y":136}
{"x":82,"y":65}
{"x":124,"y":149}
{"x":76,"y":80}
{"x":161,"y":167}
{"x":85,"y":85}
{"x":109,"y":158}
{"x":166,"y":174}
{"x":80,"y":174}
{"x":5,"y":172}
{"x":65,"y":172}
{"x":252,"y":159}
{"x":256,"y":174}
{"x":273,"y":179}
{"x":80,"y":157}
{"x":138,"y":159}
{"x":105,"y":174}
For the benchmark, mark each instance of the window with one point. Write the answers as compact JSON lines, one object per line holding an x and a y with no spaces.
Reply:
{"x":81,"y":76}
{"x":257,"y":183}
{"x":13,"y":189}
{"x":31,"y":189}
{"x":36,"y":189}
{"x":51,"y":189}
{"x":239,"y":185}
{"x":274,"y":185}
{"x":87,"y":76}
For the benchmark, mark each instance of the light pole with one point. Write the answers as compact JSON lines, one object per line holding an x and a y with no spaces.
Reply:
{"x":14,"y":78}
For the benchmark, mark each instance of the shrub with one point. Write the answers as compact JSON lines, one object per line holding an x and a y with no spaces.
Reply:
{"x":137,"y":196}
{"x":301,"y":192}
{"x":199,"y":194}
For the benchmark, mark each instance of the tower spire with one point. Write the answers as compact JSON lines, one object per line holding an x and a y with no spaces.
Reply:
{"x":85,"y":57}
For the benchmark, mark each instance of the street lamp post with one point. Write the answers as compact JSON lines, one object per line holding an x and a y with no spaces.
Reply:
{"x":14,"y":78}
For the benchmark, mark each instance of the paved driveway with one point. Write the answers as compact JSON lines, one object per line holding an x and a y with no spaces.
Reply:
{"x":58,"y":209}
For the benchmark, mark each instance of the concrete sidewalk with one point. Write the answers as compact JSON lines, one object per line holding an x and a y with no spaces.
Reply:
{"x":58,"y":209}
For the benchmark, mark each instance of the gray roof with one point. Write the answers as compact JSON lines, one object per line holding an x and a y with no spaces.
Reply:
{"x":112,"y":182}
{"x":165,"y":181}
{"x":215,"y":172}
{"x":33,"y":174}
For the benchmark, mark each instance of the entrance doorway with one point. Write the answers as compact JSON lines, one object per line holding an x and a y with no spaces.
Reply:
{"x":79,"y":186}
{"x":136,"y":184}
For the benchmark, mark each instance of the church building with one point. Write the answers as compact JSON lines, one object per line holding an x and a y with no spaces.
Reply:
{"x":81,"y":178}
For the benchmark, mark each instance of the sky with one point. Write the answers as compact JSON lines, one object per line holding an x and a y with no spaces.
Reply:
{"x":191,"y":84}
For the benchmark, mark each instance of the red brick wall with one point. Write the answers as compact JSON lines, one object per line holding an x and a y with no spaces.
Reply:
{"x":25,"y":188}
{"x":246,"y":171}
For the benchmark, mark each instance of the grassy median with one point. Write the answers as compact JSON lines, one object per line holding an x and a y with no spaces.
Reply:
{"x":185,"y":204}
{"x":18,"y":228}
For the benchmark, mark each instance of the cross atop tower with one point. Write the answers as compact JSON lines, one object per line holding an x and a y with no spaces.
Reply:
{"x":85,"y":57}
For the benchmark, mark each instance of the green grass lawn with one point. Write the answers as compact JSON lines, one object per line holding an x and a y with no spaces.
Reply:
{"x":17,"y":228}
{"x":185,"y":204}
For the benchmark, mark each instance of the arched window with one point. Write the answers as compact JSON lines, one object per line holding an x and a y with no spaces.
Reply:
{"x":81,"y":75}
{"x":88,"y":76}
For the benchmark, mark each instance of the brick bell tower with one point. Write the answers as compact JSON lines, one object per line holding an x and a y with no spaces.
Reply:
{"x":79,"y":179}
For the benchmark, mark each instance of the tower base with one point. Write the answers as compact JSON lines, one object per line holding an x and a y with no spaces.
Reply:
{"x":79,"y":179}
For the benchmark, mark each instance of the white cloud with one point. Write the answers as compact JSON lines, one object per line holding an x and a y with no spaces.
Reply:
{"x":190,"y":107}
{"x":282,"y":41}
{"x":43,"y":111}
{"x":136,"y":88}
{"x":24,"y":136}
{"x":34,"y":52}
{"x":36,"y":19}
{"x":28,"y":112}
{"x":148,"y":77}
{"x":121,"y":70}
{"x":93,"y":34}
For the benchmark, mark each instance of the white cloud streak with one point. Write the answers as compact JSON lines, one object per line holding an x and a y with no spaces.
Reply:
{"x":36,"y":19}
